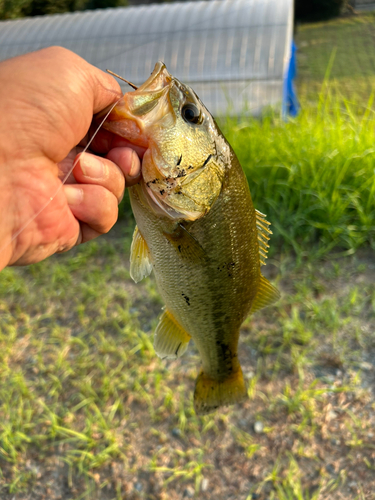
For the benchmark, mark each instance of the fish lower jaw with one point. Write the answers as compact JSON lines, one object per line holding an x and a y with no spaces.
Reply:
{"x":158,"y":206}
{"x":161,"y":208}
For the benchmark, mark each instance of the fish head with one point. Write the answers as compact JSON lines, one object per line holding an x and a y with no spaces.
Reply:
{"x":184,"y":165}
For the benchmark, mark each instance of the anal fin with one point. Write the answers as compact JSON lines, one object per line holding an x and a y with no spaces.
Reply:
{"x":210,"y":393}
{"x":266,"y":295}
{"x":170,"y":339}
{"x":140,"y":263}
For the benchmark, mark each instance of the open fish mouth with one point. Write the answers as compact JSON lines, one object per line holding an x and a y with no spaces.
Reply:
{"x":159,"y":78}
{"x":136,"y":113}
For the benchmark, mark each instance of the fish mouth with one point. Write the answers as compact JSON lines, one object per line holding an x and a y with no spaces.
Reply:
{"x":137,"y":112}
{"x":159,"y":78}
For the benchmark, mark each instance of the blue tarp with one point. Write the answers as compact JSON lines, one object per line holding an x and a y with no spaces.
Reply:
{"x":290,"y":102}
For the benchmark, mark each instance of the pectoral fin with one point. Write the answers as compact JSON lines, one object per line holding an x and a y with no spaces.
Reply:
{"x":140,"y":264}
{"x":266,"y":295}
{"x":185,"y":244}
{"x":170,"y":339}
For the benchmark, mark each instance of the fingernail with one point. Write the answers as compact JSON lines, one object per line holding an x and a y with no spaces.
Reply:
{"x":134,"y":169}
{"x":92,"y":167}
{"x":73,"y":194}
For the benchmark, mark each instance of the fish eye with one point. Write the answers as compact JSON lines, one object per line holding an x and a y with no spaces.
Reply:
{"x":191,"y":113}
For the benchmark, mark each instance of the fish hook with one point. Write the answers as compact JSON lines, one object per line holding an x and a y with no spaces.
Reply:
{"x":121,"y":78}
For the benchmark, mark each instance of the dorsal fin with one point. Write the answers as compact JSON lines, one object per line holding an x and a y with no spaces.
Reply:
{"x":263,"y":238}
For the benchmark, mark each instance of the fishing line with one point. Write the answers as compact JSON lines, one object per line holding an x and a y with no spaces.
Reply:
{"x":17,"y":233}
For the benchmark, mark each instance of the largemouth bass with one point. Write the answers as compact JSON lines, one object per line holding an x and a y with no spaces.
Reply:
{"x":197,"y":229}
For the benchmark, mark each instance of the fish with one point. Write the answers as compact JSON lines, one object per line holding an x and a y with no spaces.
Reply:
{"x":197,"y":229}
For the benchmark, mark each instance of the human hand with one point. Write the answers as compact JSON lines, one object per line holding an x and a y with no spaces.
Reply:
{"x":48,"y":99}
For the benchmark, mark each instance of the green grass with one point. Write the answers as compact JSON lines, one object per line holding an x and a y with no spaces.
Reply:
{"x":352,"y":40}
{"x":313,"y":176}
{"x":88,"y":410}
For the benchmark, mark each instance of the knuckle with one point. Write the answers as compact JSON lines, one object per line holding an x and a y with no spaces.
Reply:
{"x":60,"y":52}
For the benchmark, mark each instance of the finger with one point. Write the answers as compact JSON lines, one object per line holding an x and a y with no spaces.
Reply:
{"x":87,"y":233}
{"x":106,"y":90}
{"x":91,"y":169}
{"x":104,"y":141}
{"x":94,"y":205}
{"x":129,"y":162}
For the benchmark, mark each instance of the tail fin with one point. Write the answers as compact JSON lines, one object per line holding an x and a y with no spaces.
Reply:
{"x":209,"y":393}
